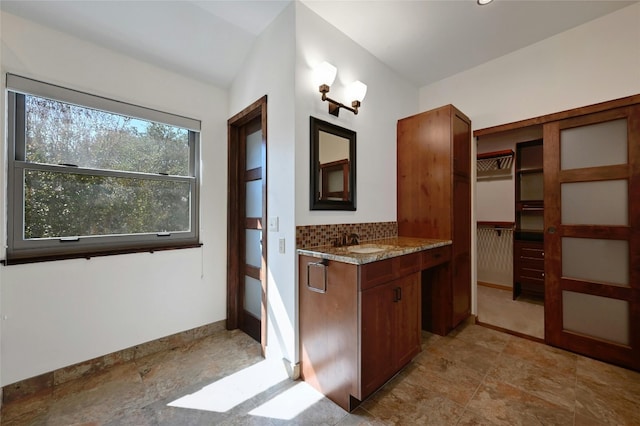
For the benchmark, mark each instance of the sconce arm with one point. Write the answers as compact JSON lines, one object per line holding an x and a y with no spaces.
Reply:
{"x":334,"y":106}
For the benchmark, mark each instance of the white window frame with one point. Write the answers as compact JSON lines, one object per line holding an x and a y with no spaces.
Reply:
{"x":21,"y":250}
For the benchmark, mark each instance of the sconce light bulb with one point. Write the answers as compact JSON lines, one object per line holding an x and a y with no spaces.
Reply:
{"x":324,"y":74}
{"x":357,"y":91}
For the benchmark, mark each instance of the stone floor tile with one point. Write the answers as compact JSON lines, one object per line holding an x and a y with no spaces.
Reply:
{"x":607,"y":393}
{"x":97,"y":398}
{"x":454,"y":381}
{"x":483,"y":336}
{"x":542,"y":355}
{"x":360,"y":417}
{"x":620,"y":379}
{"x":32,"y":418}
{"x":403,"y":403}
{"x":431,"y":340}
{"x":33,"y":407}
{"x":549,"y":384}
{"x":581,"y":420}
{"x":469,"y":418}
{"x":478,"y":359}
{"x":503,"y":404}
{"x":601,"y":401}
{"x":474,"y":376}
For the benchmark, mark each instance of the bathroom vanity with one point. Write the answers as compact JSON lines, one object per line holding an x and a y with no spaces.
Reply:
{"x":362,"y":310}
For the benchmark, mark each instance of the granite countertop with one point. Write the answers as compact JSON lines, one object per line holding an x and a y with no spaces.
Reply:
{"x":374,"y":250}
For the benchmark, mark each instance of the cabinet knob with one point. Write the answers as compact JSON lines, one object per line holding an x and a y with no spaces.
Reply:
{"x":542,"y":274}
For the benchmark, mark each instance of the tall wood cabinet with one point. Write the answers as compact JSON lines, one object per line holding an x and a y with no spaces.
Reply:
{"x":434,"y":201}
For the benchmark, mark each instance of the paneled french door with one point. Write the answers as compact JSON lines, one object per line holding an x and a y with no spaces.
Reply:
{"x":247,"y":211}
{"x":592,"y":241}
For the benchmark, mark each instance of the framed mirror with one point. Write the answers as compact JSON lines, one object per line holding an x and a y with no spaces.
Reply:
{"x":333,"y":167}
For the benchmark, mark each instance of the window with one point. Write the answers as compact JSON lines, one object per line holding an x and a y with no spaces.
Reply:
{"x":91,"y":176}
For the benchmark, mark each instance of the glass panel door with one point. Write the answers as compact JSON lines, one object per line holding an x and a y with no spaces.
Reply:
{"x":252,"y":294}
{"x":591,"y":173}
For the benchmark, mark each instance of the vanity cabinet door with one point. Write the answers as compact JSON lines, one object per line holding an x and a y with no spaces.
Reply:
{"x":329,"y":327}
{"x":390,"y":329}
{"x":377,"y":334}
{"x":407,"y":334}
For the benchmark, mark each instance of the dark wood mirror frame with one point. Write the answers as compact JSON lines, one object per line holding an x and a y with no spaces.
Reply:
{"x":346,"y":166}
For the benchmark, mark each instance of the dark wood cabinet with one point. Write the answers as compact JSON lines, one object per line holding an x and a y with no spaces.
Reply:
{"x":434,"y":201}
{"x":528,"y":244}
{"x":359,"y":324}
{"x":528,"y":268}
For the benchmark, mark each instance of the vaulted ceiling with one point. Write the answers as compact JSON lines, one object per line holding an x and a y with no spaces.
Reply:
{"x":424,"y":41}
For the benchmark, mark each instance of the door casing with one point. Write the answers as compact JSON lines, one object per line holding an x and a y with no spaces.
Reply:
{"x":235,"y":207}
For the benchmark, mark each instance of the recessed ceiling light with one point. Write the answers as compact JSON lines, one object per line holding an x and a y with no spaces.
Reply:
{"x":483,"y":2}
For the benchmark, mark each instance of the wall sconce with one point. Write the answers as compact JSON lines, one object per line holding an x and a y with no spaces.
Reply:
{"x":324,"y":75}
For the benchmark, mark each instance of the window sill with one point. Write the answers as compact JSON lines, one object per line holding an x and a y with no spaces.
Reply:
{"x":97,"y":253}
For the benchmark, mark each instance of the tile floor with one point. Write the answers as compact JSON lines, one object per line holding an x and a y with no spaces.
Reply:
{"x":474,"y":376}
{"x":525,"y":315}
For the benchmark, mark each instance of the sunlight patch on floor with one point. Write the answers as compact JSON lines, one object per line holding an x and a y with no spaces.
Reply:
{"x":233,"y":390}
{"x":288,"y":404}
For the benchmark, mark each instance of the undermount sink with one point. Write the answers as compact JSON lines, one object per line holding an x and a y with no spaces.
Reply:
{"x":366,"y":249}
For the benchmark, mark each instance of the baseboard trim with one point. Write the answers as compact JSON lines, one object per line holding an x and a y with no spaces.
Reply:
{"x":507,"y":331}
{"x":44,"y":383}
{"x":293,"y":369}
{"x":492,"y":285}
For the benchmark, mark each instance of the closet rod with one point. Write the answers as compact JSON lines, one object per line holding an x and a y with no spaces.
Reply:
{"x":503,"y":225}
{"x":495,"y":154}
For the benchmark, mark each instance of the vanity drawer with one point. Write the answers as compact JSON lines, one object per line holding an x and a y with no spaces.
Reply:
{"x":407,"y":264}
{"x":435,"y":256}
{"x":383,"y":271}
{"x":375,"y":273}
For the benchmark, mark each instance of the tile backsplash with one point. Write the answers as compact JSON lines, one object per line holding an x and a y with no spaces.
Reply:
{"x":323,"y":235}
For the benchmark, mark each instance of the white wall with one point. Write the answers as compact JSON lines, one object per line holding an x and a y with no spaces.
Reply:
{"x":59,"y":313}
{"x":269,"y":70}
{"x":595,"y":62}
{"x":388,"y":99}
